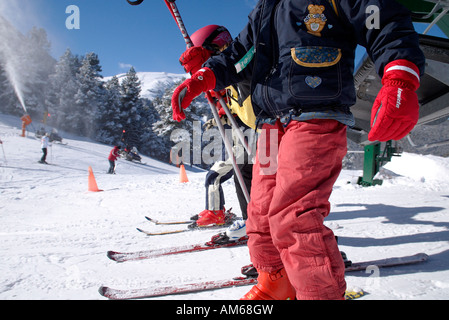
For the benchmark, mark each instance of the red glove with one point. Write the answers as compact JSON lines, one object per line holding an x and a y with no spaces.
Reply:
{"x":216,"y":96}
{"x":396,"y":109}
{"x":193,"y":58}
{"x":201,"y":81}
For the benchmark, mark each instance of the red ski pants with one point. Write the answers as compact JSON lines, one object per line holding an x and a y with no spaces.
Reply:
{"x":293,"y":175}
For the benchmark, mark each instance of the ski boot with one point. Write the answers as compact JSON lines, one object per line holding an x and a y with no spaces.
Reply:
{"x":271,"y":286}
{"x":211,"y":217}
{"x":251,"y":272}
{"x":198,"y":215}
{"x":236,"y":232}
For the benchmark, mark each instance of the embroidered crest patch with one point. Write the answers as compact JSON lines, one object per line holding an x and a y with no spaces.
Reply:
{"x":315,"y":20}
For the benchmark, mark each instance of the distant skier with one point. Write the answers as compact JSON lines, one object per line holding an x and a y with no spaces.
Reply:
{"x":44,"y":146}
{"x":113,"y":155}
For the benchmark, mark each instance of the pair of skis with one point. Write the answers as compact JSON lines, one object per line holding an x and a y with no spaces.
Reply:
{"x":152,"y":292}
{"x":191,"y":225}
{"x":151,"y":254}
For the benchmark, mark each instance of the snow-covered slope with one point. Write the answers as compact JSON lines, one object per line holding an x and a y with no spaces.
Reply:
{"x":54,"y":234}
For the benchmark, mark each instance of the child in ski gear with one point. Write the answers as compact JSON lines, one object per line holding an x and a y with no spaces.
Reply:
{"x":208,"y":41}
{"x":299,"y":58}
{"x":44,"y":147}
{"x":113,"y":155}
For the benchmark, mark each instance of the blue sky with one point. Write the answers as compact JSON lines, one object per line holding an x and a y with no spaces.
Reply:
{"x":144,"y":36}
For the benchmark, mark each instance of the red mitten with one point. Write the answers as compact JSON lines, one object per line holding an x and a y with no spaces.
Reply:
{"x":201,"y":81}
{"x":216,"y":96}
{"x":396,"y":109}
{"x":193,"y":58}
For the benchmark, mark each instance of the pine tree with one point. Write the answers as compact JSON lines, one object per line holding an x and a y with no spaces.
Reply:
{"x":25,"y":65}
{"x":197,"y":113}
{"x":163,"y":126}
{"x":89,"y":97}
{"x":131,"y":110}
{"x":39,"y":64}
{"x":108,"y":114}
{"x":63,"y":87}
{"x":8,"y":99}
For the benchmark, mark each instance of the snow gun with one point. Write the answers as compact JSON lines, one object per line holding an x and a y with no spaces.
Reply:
{"x":26,"y":120}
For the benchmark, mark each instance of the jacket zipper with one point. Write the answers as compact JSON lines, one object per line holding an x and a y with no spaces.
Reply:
{"x":274,"y":58}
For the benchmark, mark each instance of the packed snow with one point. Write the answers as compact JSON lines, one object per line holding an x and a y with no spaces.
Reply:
{"x":54,"y":233}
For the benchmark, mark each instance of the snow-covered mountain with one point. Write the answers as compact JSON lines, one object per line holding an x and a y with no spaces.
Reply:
{"x":55,"y":234}
{"x":153,"y":84}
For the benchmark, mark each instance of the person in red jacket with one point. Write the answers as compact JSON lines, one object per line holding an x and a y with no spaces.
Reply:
{"x":113,"y":155}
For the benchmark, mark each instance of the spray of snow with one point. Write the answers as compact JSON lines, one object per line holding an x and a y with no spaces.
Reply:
{"x":11,"y":50}
{"x":14,"y":16}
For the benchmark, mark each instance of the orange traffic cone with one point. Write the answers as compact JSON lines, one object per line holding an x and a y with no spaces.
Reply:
{"x":92,"y":184}
{"x":182,"y":174}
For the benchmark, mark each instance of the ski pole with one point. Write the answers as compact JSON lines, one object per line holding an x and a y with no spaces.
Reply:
{"x":235,"y":125}
{"x":228,"y":147}
{"x":177,"y":16}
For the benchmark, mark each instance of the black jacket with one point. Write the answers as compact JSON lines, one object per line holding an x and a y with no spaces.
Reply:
{"x":303,"y":53}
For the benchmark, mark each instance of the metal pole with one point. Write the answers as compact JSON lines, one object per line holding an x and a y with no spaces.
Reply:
{"x":237,"y":128}
{"x":177,"y":16}
{"x":4,"y":154}
{"x":228,"y":146}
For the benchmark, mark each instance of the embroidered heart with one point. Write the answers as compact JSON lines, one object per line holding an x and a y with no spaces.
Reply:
{"x":313,"y":82}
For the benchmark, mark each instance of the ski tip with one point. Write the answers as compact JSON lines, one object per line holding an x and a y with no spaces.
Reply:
{"x":166,"y":222}
{"x":422,"y":256}
{"x":112,"y":255}
{"x":107,"y":293}
{"x":102,"y":290}
{"x":150,"y":219}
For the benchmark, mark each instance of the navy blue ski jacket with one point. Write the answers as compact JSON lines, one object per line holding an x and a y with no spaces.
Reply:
{"x":299,"y":54}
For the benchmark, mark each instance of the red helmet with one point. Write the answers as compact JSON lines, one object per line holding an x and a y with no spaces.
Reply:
{"x":212,"y":37}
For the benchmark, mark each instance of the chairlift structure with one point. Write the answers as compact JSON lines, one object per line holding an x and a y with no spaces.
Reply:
{"x":433,"y":94}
